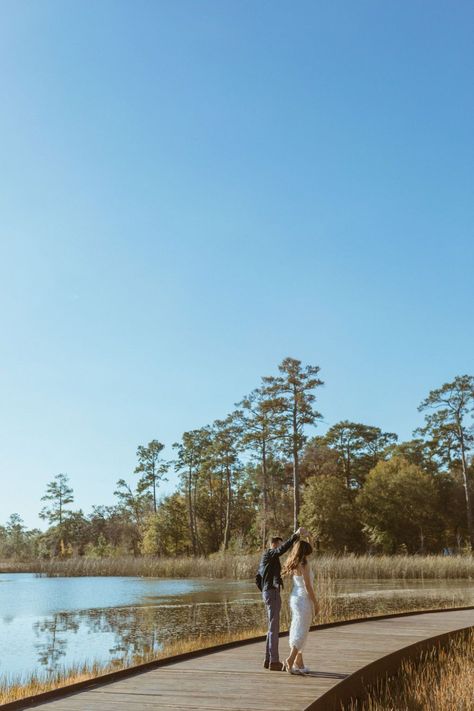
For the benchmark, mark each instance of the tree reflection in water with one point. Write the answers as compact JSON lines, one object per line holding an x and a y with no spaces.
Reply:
{"x":53,"y":633}
{"x":148,"y":629}
{"x":140,"y":630}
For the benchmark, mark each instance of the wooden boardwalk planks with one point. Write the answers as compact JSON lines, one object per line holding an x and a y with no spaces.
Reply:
{"x":234,"y":679}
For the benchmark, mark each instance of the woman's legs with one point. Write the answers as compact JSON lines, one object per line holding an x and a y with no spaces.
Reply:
{"x":291,"y":659}
{"x":299,"y":660}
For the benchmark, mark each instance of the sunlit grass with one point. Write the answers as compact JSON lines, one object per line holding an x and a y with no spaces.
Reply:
{"x":242,"y":567}
{"x":398,"y":567}
{"x":18,"y":566}
{"x":439,"y":680}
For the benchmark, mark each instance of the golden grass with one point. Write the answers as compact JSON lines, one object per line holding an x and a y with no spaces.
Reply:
{"x":397,"y":567}
{"x":242,"y":567}
{"x":18,"y":566}
{"x":439,"y":680}
{"x":234,"y":567}
{"x":14,"y":688}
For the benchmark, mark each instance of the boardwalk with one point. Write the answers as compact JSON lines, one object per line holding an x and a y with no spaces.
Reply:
{"x":234,"y":679}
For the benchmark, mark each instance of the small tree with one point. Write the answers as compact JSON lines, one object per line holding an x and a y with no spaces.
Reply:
{"x":59,"y":495}
{"x":16,"y":537}
{"x":151,"y":467}
{"x":134,"y":504}
{"x":166,"y":532}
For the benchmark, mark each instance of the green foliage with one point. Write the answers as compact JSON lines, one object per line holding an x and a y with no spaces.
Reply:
{"x":166,"y":531}
{"x":450,"y":429}
{"x":293,"y":395}
{"x":359,"y":447}
{"x":241,"y":479}
{"x":398,"y":506}
{"x":16,"y":541}
{"x":132,"y":504}
{"x":151,"y":467}
{"x":60,"y":495}
{"x":193,"y":454}
{"x":100,"y":549}
{"x":262,"y":427}
{"x":329,"y":511}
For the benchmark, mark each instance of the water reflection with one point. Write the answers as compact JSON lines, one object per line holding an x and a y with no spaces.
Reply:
{"x":52,"y":633}
{"x":165,"y":614}
{"x":137,"y":631}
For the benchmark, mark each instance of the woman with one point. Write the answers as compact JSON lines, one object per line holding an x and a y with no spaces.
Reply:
{"x":303,"y":604}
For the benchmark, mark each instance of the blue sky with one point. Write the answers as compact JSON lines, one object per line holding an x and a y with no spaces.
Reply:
{"x":191,"y":191}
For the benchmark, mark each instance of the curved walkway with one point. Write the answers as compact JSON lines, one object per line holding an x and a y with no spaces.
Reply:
{"x":344,"y":656}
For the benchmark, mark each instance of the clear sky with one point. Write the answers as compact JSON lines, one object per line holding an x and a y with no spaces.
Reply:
{"x":191,"y":191}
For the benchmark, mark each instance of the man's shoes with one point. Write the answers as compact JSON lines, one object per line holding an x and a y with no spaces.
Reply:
{"x":266,"y":664}
{"x":276,"y":666}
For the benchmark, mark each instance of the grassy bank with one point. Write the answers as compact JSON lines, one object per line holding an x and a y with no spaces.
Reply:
{"x":439,"y":680}
{"x":242,"y":567}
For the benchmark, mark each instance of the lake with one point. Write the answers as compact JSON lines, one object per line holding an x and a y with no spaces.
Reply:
{"x":52,"y":623}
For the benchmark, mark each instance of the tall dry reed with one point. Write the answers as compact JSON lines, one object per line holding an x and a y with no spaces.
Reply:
{"x":439,"y":680}
{"x":242,"y":567}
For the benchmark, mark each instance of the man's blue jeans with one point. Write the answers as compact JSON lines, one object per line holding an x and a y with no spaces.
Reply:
{"x":272,"y":601}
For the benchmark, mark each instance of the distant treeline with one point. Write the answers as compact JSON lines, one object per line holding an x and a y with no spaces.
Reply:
{"x":257,"y":472}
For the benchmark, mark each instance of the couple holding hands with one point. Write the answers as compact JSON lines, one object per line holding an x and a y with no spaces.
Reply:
{"x":303,"y":603}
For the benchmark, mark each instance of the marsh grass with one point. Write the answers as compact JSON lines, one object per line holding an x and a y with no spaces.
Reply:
{"x":398,"y":567}
{"x":243,"y":567}
{"x":19,"y":566}
{"x":441,"y":679}
{"x":233,"y":567}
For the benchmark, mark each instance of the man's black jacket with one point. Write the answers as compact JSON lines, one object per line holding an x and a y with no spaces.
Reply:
{"x":269,"y":570}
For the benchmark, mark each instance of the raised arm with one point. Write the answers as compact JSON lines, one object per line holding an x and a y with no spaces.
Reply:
{"x":287,"y":544}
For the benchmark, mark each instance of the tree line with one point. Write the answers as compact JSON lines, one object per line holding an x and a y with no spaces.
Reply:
{"x":257,"y":471}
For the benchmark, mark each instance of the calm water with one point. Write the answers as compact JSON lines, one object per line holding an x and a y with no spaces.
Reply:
{"x":49,"y":623}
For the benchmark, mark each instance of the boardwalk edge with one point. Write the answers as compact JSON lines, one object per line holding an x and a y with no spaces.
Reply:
{"x":356,"y":685}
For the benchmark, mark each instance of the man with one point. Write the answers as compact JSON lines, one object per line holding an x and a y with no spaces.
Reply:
{"x":269,"y":581}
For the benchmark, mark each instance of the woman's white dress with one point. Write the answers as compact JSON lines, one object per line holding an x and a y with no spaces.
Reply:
{"x":301,"y":613}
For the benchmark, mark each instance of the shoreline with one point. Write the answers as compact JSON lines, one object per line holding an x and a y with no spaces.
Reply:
{"x":243,"y":567}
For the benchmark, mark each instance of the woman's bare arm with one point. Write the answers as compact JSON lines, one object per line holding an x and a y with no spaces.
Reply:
{"x":308,"y":583}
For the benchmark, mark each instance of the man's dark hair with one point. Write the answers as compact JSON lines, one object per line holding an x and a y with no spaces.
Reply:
{"x":275,"y":539}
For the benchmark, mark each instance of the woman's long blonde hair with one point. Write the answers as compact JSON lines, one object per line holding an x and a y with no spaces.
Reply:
{"x":298,"y":557}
